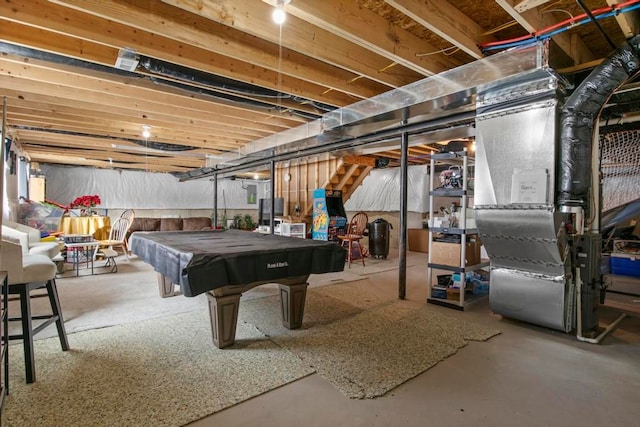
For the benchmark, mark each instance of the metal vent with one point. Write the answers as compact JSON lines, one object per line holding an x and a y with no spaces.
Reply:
{"x":127,"y":59}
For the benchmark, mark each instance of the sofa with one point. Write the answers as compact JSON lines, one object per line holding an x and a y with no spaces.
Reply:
{"x":29,"y":239}
{"x":169,"y":224}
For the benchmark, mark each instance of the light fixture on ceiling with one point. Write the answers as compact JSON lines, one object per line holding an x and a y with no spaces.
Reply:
{"x":146,"y":131}
{"x":127,"y":59}
{"x":279,"y":15}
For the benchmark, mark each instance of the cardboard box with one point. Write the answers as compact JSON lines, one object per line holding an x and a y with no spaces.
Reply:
{"x":446,"y":253}
{"x":418,"y":239}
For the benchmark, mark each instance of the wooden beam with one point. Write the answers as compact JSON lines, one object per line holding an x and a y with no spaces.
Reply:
{"x":96,"y":123}
{"x":354,"y":23}
{"x":359,"y":160}
{"x":533,"y":20}
{"x":176,"y":24}
{"x":95,"y":53}
{"x":446,"y":21}
{"x":64,"y":20}
{"x":117,"y":156}
{"x":243,"y":130}
{"x":123,"y":87}
{"x":301,"y":37}
{"x":524,"y":5}
{"x":629,"y":22}
{"x":79,"y":161}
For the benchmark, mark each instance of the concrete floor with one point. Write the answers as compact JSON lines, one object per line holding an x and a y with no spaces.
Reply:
{"x":526,"y":376}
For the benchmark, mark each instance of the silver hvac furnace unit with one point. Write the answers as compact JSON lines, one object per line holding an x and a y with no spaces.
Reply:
{"x":522,"y":230}
{"x":535,"y":183}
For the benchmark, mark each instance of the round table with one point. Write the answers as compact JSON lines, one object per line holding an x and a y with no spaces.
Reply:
{"x":97,"y":226}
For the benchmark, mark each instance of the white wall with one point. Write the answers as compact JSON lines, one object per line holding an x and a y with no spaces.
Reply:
{"x":146,"y":191}
{"x":158,"y":194}
{"x":380,"y":191}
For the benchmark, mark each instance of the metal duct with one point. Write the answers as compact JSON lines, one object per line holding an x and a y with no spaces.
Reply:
{"x":443,"y":97}
{"x":522,"y":232}
{"x":579,"y":118}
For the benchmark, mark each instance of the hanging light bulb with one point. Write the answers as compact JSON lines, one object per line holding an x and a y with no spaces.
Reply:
{"x":146,"y":132}
{"x":279,"y":15}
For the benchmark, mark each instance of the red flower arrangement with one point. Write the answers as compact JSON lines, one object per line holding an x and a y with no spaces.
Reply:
{"x":84,"y":202}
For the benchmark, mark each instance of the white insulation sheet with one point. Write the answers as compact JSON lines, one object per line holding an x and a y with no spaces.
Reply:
{"x":144,"y":190}
{"x":380,"y":191}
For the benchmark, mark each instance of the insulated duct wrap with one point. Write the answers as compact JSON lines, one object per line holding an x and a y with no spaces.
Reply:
{"x":578,"y":119}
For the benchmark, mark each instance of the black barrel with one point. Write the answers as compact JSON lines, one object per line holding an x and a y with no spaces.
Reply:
{"x":379,"y":238}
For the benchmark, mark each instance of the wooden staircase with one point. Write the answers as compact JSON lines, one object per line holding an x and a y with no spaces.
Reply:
{"x":348,"y":174}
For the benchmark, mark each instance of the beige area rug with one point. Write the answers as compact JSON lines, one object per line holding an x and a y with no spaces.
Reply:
{"x":159,"y":372}
{"x":166,"y":372}
{"x":365,"y":346}
{"x":131,"y":295}
{"x":374,"y":265}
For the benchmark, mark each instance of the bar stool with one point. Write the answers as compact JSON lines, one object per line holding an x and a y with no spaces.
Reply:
{"x":27,"y":273}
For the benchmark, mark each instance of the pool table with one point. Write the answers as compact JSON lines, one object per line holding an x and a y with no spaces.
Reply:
{"x":225,"y":263}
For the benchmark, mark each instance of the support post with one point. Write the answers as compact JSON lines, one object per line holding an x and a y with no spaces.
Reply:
{"x":272,"y":221}
{"x":215,"y":202}
{"x":404,"y":162}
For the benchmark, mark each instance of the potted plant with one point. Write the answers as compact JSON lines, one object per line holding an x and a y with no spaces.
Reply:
{"x":248,"y":223}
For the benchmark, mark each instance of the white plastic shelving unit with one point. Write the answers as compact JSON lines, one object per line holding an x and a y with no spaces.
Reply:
{"x":294,"y":229}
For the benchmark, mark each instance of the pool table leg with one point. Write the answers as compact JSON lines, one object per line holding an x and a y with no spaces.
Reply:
{"x":292,"y":299}
{"x":165,"y":286}
{"x":223,"y":312}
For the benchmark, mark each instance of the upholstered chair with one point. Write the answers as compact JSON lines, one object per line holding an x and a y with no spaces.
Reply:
{"x":25,"y":274}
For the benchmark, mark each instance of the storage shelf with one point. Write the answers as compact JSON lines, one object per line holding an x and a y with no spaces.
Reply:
{"x":450,"y":155}
{"x":450,"y":255}
{"x":453,"y":230}
{"x":458,"y":269}
{"x":450,"y":192}
{"x":455,"y":304}
{"x":297,"y":229}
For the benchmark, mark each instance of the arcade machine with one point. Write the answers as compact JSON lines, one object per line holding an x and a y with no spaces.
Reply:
{"x":329,"y":218}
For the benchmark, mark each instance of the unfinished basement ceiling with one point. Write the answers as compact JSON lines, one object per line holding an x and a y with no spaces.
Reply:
{"x":215,"y":75}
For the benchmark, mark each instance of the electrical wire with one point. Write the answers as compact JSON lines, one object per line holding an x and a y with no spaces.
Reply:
{"x":600,"y":13}
{"x":446,"y":51}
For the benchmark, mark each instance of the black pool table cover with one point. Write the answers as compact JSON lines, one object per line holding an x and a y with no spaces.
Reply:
{"x":201,"y":261}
